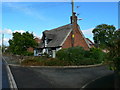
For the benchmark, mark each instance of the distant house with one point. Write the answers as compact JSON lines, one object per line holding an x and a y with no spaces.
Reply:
{"x":31,"y":49}
{"x":118,"y":30}
{"x":65,"y":36}
{"x":91,"y":44}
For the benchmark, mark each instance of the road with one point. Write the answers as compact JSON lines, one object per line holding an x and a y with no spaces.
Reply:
{"x":0,"y":71}
{"x":107,"y":82}
{"x":5,"y":81}
{"x":38,"y":77}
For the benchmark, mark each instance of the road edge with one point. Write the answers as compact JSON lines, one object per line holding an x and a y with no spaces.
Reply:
{"x":12,"y":82}
{"x":82,"y":66}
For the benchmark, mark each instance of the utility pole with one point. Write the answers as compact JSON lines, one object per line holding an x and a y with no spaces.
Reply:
{"x":72,"y":8}
{"x":72,"y":23}
{"x":2,"y":42}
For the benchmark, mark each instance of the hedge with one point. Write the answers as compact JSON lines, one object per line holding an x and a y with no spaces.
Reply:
{"x":78,"y":56}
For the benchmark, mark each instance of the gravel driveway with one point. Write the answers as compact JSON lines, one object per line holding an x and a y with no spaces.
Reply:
{"x":40,"y":77}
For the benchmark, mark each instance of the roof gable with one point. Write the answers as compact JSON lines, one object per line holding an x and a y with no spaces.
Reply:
{"x":58,"y":35}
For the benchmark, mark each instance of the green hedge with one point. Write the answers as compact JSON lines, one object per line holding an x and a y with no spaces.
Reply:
{"x":78,"y":56}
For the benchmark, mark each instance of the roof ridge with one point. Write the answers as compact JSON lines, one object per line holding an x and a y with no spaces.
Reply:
{"x":89,"y":40}
{"x":59,"y":27}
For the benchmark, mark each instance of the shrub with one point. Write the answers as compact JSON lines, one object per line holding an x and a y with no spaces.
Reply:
{"x":32,"y":59}
{"x":62,"y":54}
{"x":55,"y":62}
{"x":43,"y":61}
{"x":78,"y":56}
{"x":71,"y":54}
{"x":75,"y":53}
{"x":86,"y":61}
{"x":97,"y":54}
{"x":26,"y":53}
{"x":29,"y":54}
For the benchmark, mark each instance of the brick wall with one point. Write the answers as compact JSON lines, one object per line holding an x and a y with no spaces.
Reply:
{"x":68,"y":42}
{"x":78,"y":40}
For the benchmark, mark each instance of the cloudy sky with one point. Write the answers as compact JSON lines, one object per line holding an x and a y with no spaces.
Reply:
{"x":39,"y":16}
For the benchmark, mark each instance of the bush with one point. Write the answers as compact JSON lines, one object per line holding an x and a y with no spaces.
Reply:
{"x":27,"y":53}
{"x":55,"y":62}
{"x":97,"y":54}
{"x":75,"y":54}
{"x":43,"y":61}
{"x":62,"y":54}
{"x":70,"y":56}
{"x":78,"y":56}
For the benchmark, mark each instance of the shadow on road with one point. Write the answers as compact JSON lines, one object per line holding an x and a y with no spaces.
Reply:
{"x":104,"y":82}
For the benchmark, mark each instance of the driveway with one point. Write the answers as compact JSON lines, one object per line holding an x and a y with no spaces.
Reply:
{"x":41,"y":77}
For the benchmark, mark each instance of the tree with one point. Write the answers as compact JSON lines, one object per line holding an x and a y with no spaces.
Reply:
{"x":106,"y":37}
{"x":103,"y":35}
{"x":114,"y":56}
{"x":20,"y":42}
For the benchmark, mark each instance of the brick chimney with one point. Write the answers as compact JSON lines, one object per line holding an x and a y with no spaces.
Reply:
{"x":74,"y":19}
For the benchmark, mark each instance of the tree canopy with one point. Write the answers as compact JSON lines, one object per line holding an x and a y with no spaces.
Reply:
{"x":107,"y":37}
{"x":114,"y":49}
{"x":20,"y":42}
{"x":103,"y":35}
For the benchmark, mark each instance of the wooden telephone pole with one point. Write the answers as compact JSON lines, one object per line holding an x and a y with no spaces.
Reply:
{"x":72,"y":7}
{"x":72,"y":23}
{"x":2,"y":42}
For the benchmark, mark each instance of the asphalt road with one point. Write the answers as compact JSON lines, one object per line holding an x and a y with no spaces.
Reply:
{"x":107,"y":82}
{"x":5,"y":80}
{"x":38,"y":77}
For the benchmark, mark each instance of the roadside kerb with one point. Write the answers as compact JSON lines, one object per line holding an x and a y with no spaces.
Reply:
{"x":84,"y":66}
{"x":12,"y":82}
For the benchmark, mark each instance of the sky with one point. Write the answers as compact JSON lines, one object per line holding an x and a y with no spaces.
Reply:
{"x":39,"y":16}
